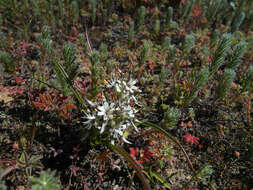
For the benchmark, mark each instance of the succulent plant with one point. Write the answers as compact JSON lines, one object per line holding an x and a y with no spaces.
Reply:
{"x":236,"y":55}
{"x":131,"y":34}
{"x":169,"y":18}
{"x":46,"y":181}
{"x":171,"y":117}
{"x":199,"y":82}
{"x":238,"y":21}
{"x":225,"y":83}
{"x":220,"y":53}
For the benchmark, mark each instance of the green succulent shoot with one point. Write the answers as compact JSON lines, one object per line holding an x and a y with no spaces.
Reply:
{"x":215,"y":38}
{"x":199,"y":82}
{"x":131,"y":34}
{"x":188,"y":10}
{"x":145,"y":51}
{"x":70,"y":65}
{"x":220,"y":53}
{"x":141,"y":17}
{"x":236,"y":55}
{"x":157,"y":27}
{"x":93,"y":10}
{"x":75,"y":11}
{"x":188,"y":43}
{"x":213,"y":8}
{"x":166,"y":43}
{"x":169,"y":18}
{"x":8,"y":61}
{"x":247,"y":82}
{"x":225,"y":83}
{"x":46,"y":181}
{"x":238,"y":21}
{"x":171,"y":117}
{"x":94,"y":58}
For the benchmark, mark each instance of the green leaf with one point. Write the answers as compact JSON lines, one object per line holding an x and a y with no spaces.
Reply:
{"x":159,"y":178}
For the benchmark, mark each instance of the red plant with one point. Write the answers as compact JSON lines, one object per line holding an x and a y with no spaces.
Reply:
{"x":147,"y":154}
{"x":191,"y":139}
{"x":134,"y":153}
{"x":145,"y":157}
{"x":45,"y":103}
{"x":151,"y":66}
{"x":21,"y":49}
{"x":52,"y":102}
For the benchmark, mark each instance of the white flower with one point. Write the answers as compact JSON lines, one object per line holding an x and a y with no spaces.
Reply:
{"x":115,"y":83}
{"x":118,"y":133}
{"x":89,"y":118}
{"x":106,"y":110}
{"x":114,"y":116}
{"x":102,"y":129}
{"x":130,"y":86}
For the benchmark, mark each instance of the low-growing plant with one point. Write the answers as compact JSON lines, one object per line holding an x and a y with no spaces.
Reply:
{"x":215,"y":38}
{"x":199,"y":82}
{"x":214,"y":6}
{"x":157,"y":27}
{"x":202,"y":174}
{"x":140,"y":18}
{"x":145,"y":51}
{"x":8,"y":61}
{"x":131,"y":34}
{"x":166,"y":43}
{"x":188,"y":43}
{"x":171,"y":117}
{"x":93,"y":10}
{"x":187,"y":11}
{"x":46,"y":181}
{"x":75,"y":11}
{"x":169,"y":19}
{"x":247,"y":84}
{"x":225,"y":83}
{"x":234,"y":58}
{"x":238,"y":20}
{"x":220,"y":53}
{"x":115,"y":89}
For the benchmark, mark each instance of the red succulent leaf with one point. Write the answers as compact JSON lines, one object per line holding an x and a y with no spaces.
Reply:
{"x":151,"y":65}
{"x":72,"y":38}
{"x":38,"y":105}
{"x":191,"y":139}
{"x":134,"y":152}
{"x":139,"y":161}
{"x":43,"y":99}
{"x":147,"y":154}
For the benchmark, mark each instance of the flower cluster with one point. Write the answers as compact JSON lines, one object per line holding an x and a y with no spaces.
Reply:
{"x":115,"y":114}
